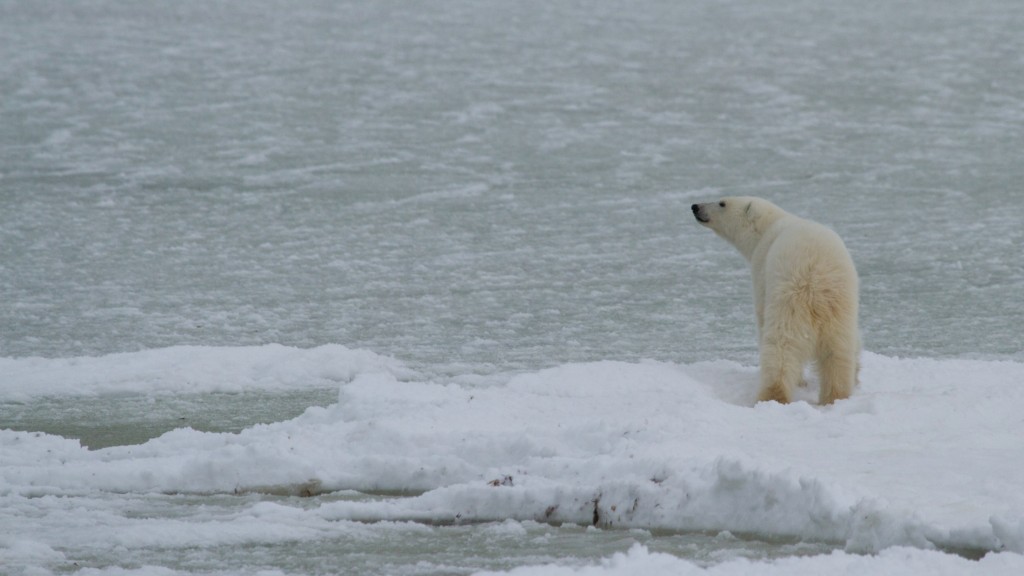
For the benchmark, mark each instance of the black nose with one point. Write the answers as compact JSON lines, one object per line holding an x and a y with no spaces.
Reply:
{"x":695,"y":208}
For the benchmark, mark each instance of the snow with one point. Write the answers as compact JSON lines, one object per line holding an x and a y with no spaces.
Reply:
{"x":638,"y":560}
{"x":893,"y":562}
{"x":189,"y":370}
{"x":925,"y":455}
{"x":485,"y":204}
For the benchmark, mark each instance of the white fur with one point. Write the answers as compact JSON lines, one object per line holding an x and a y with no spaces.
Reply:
{"x":805,"y":294}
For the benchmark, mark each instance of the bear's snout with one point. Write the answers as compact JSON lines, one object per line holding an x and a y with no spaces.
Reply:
{"x":699,"y":214}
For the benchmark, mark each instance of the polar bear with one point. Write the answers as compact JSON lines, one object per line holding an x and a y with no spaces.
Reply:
{"x":805,"y":294}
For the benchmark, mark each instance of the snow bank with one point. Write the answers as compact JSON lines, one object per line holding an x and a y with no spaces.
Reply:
{"x":893,"y":562}
{"x":926,"y":453}
{"x":638,"y":560}
{"x":189,"y":369}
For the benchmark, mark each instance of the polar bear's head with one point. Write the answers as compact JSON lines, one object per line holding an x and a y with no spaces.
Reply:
{"x":741,"y":220}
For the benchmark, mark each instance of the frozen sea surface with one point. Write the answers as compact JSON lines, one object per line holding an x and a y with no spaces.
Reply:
{"x":487,"y":186}
{"x":285,"y":286}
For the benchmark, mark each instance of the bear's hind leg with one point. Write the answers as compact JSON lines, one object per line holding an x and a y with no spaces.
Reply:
{"x":774,"y":391}
{"x":838,"y":366}
{"x":782,"y":366}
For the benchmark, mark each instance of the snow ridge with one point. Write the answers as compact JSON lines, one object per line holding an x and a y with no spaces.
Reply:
{"x":925,"y":454}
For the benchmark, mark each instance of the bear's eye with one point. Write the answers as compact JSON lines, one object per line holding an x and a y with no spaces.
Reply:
{"x":722,"y":203}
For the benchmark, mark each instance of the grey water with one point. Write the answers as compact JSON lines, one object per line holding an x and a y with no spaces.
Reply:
{"x":479,"y":188}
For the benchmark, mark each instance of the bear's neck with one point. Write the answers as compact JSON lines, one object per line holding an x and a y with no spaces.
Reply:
{"x":747,"y":238}
{"x":746,"y":242}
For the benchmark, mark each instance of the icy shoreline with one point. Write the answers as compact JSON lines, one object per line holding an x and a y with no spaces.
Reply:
{"x":926,"y":453}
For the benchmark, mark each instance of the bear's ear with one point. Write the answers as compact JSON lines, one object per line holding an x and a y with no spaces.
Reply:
{"x":750,"y":209}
